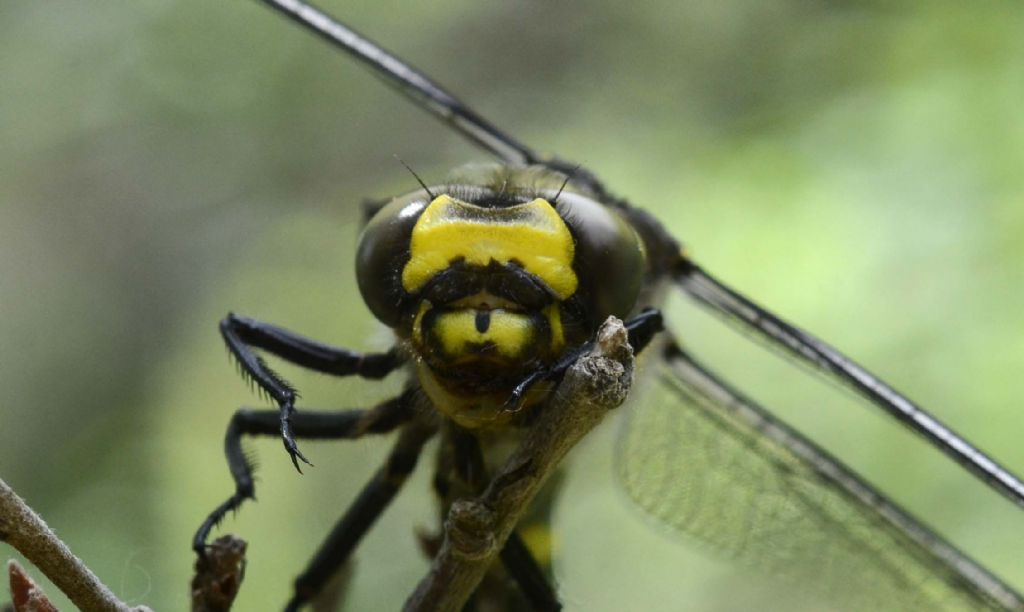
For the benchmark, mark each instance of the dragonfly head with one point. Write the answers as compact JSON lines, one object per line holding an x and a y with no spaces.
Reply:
{"x":488,"y":282}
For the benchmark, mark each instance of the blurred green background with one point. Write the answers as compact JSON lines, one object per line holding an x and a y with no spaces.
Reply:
{"x":856,"y":166}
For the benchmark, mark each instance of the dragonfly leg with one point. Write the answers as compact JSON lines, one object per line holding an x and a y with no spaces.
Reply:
{"x":469,"y":469}
{"x":641,"y":329}
{"x":243,"y":335}
{"x":345,"y":424}
{"x":363,"y":512}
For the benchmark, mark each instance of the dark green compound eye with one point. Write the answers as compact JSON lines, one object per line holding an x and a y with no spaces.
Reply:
{"x":382,"y":254}
{"x":525,"y":251}
{"x":610,"y":260}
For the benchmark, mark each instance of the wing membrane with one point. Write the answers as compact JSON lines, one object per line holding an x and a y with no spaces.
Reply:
{"x":711,"y":463}
{"x":814,"y":352}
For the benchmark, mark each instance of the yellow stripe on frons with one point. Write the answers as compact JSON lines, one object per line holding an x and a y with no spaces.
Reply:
{"x":531,"y":234}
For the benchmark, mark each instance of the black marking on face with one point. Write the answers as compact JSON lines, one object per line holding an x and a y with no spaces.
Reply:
{"x":483,"y":321}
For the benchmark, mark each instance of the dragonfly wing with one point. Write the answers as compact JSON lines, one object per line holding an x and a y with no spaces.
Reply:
{"x":408,"y":81}
{"x":811,"y":351}
{"x":711,"y":463}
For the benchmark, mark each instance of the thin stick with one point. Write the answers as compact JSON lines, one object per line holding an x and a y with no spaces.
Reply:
{"x":476,"y":529}
{"x":23,"y":529}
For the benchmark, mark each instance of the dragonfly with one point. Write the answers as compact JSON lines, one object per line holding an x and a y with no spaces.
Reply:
{"x":712,"y":450}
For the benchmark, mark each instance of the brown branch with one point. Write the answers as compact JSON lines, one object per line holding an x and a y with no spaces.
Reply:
{"x":26,"y":596}
{"x":28,"y":534}
{"x":476,"y":529}
{"x":219,"y":573}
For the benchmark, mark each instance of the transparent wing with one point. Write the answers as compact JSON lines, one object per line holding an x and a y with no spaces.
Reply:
{"x":430,"y":96}
{"x":811,"y":351}
{"x":708,"y":461}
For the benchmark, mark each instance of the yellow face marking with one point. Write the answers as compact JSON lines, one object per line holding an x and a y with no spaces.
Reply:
{"x":532,"y":234}
{"x":509,"y":332}
{"x":554,"y":316}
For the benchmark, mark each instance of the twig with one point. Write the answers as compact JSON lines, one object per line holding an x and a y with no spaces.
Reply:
{"x":28,"y":534}
{"x":219,"y":574}
{"x":26,"y":596}
{"x":476,"y":529}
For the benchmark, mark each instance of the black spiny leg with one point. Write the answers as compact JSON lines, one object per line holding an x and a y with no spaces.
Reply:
{"x":346,"y":424}
{"x":527,"y":573}
{"x":242,"y":335}
{"x":470,"y":468}
{"x":363,"y":512}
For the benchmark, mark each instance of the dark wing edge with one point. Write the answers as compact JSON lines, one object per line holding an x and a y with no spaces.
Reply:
{"x":410,"y":82}
{"x":783,"y":499}
{"x":809,"y":350}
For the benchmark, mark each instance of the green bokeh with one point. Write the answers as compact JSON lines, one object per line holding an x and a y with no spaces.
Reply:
{"x":855,"y":166}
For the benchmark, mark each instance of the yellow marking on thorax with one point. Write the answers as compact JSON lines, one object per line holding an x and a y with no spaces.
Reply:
{"x":532,"y":234}
{"x":539,"y":540}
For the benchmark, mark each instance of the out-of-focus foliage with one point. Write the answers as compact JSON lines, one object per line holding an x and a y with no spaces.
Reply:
{"x":854,"y":165}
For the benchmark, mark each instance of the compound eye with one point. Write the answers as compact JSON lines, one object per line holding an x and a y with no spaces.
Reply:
{"x":610,"y":260}
{"x":382,"y":254}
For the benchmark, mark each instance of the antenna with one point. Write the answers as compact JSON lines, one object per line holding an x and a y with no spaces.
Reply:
{"x":418,"y":179}
{"x":568,"y":177}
